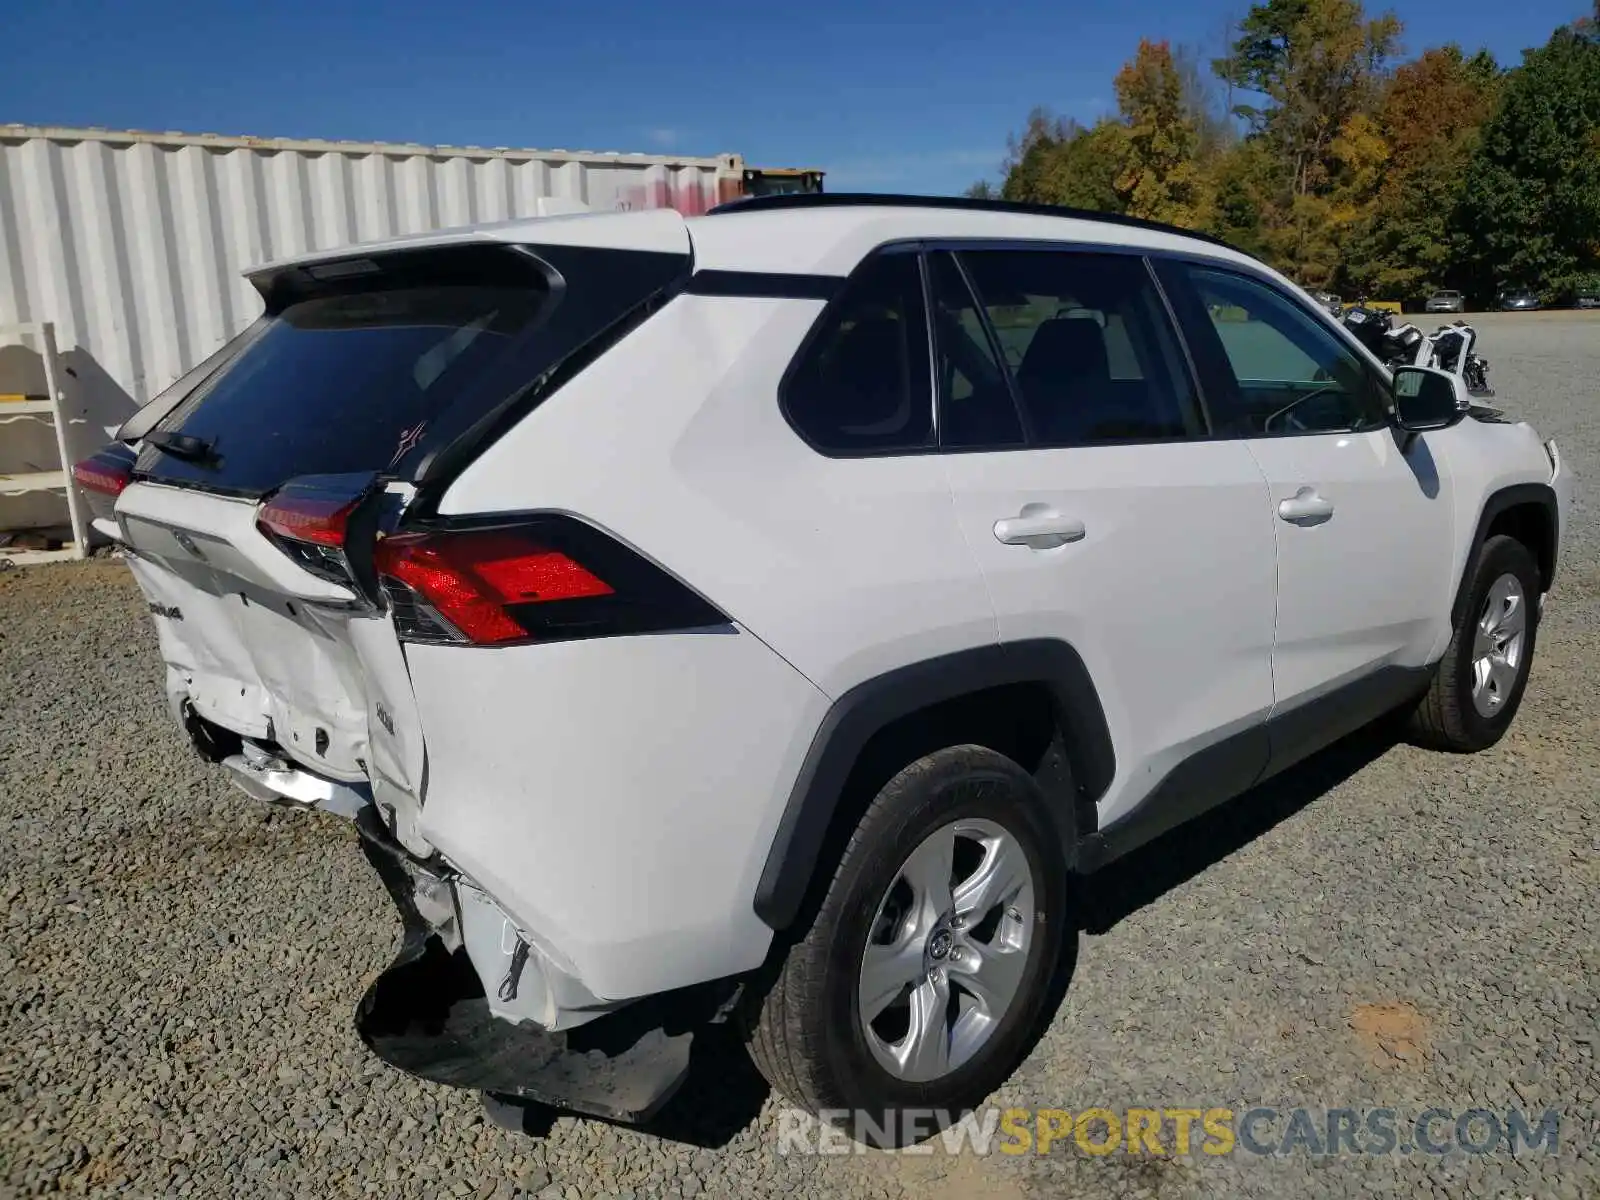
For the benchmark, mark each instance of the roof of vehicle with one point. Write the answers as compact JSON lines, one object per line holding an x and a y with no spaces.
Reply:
{"x":825,"y":234}
{"x":965,"y":203}
{"x":829,"y":233}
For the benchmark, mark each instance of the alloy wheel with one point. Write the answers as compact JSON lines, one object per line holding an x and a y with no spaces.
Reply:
{"x":1497,"y":645}
{"x":947,"y":950}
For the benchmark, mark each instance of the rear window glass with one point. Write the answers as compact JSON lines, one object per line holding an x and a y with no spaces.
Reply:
{"x":862,"y":386}
{"x":338,"y":384}
{"x":355,"y":375}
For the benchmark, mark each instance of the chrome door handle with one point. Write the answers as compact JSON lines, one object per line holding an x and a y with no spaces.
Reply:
{"x":1039,"y":528}
{"x":1305,"y":506}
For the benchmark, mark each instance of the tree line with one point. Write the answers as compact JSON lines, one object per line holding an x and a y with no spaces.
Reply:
{"x":1309,"y":145}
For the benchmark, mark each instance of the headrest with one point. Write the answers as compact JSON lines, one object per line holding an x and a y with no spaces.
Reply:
{"x":1065,"y":349}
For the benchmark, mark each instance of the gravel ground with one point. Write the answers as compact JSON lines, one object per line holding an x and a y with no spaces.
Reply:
{"x":1382,"y":927}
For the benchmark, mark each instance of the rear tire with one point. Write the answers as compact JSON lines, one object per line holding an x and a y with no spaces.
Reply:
{"x":1477,"y":686}
{"x":974,"y":987}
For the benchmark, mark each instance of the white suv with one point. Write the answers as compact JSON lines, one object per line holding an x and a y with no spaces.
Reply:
{"x":767,"y":613}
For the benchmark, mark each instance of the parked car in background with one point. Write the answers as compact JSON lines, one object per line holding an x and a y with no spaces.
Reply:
{"x":1330,"y":302}
{"x":1518,"y":300}
{"x":824,"y":663}
{"x":1587,"y":298}
{"x":1446,"y":302}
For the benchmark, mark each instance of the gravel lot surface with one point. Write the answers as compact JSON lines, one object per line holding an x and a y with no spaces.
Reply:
{"x":1382,"y":927}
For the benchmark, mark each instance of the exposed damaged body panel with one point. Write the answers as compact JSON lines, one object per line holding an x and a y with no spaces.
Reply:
{"x":278,"y":509}
{"x":433,"y":1014}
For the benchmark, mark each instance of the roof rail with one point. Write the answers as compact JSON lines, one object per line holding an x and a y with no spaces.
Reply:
{"x":889,"y":200}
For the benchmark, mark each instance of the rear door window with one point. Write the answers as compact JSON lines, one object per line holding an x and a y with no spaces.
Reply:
{"x":977,"y":409}
{"x":1089,"y":346}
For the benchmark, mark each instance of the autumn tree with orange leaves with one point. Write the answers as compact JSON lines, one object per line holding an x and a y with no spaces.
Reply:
{"x":1342,"y":168}
{"x":1160,"y":175}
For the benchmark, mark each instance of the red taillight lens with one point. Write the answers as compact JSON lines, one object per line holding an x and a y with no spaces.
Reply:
{"x":319,"y":520}
{"x":470,"y":577}
{"x":103,"y":475}
{"x":310,"y":520}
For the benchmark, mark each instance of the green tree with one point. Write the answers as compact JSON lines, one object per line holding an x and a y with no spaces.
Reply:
{"x":1317,"y":63}
{"x":1532,"y":198}
{"x":1413,"y":240}
{"x":1160,"y":176}
{"x":1443,"y":172}
{"x":1030,"y":158}
{"x":1060,"y":162}
{"x":1318,"y":66}
{"x":1245,"y":178}
{"x":1087,"y":169}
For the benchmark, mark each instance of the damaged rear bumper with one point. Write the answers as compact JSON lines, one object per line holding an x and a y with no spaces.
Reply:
{"x":274,"y":781}
{"x":429,"y":1015}
{"x":471,"y":1000}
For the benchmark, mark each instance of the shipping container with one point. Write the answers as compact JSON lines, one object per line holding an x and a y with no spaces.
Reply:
{"x":132,"y":244}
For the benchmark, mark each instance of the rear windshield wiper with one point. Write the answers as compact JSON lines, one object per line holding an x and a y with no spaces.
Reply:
{"x":185,"y":446}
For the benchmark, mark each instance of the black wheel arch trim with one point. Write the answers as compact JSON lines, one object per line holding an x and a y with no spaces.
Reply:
{"x":1501,"y":501}
{"x":871,"y":706}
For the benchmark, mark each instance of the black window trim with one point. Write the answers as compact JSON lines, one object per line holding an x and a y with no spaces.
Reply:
{"x":996,"y":350}
{"x":924,"y":246}
{"x":1206,"y":386}
{"x":763,"y":285}
{"x":1196,"y":381}
{"x":1220,"y":375}
{"x":925,"y":277}
{"x":821,"y":323}
{"x":1186,"y":363}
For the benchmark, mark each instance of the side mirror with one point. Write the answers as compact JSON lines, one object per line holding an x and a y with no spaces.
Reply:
{"x":1425,"y":398}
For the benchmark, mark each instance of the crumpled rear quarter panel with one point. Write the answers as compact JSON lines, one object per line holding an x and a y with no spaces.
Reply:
{"x":617,"y":796}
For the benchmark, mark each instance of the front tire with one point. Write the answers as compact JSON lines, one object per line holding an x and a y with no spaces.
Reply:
{"x":917,"y":988}
{"x":1478,"y":685}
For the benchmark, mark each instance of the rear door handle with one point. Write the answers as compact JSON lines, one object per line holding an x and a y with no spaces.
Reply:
{"x":1039,"y":528}
{"x":1305,"y":506}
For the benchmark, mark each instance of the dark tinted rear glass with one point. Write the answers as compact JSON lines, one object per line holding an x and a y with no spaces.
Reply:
{"x":861,"y":386}
{"x":1089,"y":345}
{"x":353,"y":373}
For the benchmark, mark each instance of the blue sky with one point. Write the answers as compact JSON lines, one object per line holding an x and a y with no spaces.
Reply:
{"x":887,"y":97}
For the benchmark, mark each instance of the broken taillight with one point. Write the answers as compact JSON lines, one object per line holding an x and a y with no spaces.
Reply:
{"x":546,"y":578}
{"x":105,"y":473}
{"x":309,"y":520}
{"x":102,"y":477}
{"x":481,"y":581}
{"x":318,"y":519}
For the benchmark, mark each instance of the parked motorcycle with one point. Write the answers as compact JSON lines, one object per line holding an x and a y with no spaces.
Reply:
{"x":1396,"y":345}
{"x":1452,"y":351}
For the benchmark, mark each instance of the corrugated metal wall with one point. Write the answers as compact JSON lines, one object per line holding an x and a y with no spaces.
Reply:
{"x":133,"y":243}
